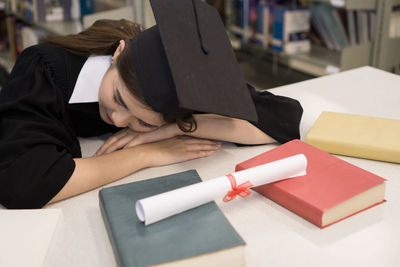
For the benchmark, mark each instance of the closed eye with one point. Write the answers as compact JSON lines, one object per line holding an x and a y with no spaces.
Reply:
{"x":145,"y":124}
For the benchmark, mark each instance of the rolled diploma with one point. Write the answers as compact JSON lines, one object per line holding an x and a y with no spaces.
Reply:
{"x":158,"y":207}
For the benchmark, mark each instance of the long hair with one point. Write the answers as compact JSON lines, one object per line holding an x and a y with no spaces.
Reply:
{"x":103,"y":38}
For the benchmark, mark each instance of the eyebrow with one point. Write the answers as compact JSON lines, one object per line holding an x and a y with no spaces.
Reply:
{"x":120,"y":100}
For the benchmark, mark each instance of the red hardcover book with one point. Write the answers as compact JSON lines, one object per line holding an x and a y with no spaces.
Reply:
{"x":332,"y":189}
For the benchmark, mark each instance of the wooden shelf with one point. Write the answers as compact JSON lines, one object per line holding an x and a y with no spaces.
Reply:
{"x":320,"y":60}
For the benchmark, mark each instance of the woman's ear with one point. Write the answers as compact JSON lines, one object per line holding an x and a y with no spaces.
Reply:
{"x":119,"y":49}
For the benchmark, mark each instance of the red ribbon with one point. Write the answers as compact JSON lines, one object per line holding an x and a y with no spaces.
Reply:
{"x":241,"y":190}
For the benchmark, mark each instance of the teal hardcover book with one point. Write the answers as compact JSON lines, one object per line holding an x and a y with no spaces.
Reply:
{"x":198,"y":237}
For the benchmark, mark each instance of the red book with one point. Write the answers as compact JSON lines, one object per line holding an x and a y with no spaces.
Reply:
{"x":331,"y":191}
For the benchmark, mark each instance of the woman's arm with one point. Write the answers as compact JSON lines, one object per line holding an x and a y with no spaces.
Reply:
{"x":209,"y":126}
{"x":217,"y":127}
{"x":94,"y":172}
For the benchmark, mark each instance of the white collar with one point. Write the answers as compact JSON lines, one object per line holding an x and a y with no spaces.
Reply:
{"x":89,"y":79}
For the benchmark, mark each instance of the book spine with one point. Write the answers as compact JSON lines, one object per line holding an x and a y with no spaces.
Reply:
{"x":264,"y":24}
{"x":66,"y":8}
{"x":296,"y":27}
{"x":39,"y":10}
{"x":86,"y":7}
{"x":278,"y":29}
{"x":235,"y":24}
{"x":109,"y":229}
{"x":319,"y":27}
{"x":75,"y":10}
{"x":245,"y":20}
{"x":340,"y":27}
{"x":331,"y":25}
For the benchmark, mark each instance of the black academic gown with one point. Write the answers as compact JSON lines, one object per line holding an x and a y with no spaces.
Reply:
{"x":39,"y":129}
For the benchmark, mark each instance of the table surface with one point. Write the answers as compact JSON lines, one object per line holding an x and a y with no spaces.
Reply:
{"x":274,"y":235}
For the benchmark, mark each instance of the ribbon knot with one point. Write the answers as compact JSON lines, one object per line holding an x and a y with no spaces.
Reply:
{"x":241,"y":190}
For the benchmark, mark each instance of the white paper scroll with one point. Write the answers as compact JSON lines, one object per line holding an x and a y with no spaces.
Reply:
{"x":155,"y":208}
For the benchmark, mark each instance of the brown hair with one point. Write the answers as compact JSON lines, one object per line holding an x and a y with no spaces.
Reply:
{"x":102,"y":38}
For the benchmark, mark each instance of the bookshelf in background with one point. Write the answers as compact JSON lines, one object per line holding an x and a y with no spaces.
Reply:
{"x":23,"y":32}
{"x":251,"y":30}
{"x":28,"y":21}
{"x":25,"y":22}
{"x":344,"y":34}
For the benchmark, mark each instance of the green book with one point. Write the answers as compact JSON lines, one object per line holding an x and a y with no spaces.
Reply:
{"x":198,"y":237}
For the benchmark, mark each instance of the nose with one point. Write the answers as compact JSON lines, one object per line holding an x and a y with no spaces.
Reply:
{"x":121,"y":120}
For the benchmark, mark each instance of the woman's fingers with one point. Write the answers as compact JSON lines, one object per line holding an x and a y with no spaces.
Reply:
{"x":112,"y":140}
{"x":121,"y":143}
{"x":194,"y":154}
{"x":202,"y":147}
{"x":180,"y":149}
{"x":162,"y":133}
{"x":198,"y":144}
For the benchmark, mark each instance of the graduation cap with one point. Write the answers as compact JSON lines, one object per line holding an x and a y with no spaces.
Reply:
{"x":186,"y":63}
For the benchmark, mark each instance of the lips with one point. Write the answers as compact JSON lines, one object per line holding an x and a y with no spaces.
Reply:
{"x":109,"y":118}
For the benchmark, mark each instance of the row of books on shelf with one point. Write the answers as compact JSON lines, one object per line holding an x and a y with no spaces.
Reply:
{"x":20,"y":36}
{"x":250,"y":21}
{"x":50,"y":10}
{"x":340,"y":28}
{"x":65,"y":10}
{"x":291,"y":29}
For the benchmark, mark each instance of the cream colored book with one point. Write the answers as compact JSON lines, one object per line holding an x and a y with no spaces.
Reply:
{"x":26,"y":236}
{"x":357,"y":136}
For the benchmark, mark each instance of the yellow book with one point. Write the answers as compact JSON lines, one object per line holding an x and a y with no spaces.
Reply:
{"x":357,"y":136}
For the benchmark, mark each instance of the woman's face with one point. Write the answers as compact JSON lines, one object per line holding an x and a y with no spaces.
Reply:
{"x":120,"y":108}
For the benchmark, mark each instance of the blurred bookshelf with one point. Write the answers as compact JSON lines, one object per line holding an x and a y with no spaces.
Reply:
{"x":52,"y":27}
{"x":380,"y":50}
{"x":26,"y":22}
{"x":376,"y":49}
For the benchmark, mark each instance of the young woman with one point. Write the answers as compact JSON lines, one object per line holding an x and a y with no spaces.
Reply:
{"x":40,"y":157}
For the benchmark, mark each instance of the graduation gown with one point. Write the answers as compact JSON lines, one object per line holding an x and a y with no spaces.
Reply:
{"x":40,"y":129}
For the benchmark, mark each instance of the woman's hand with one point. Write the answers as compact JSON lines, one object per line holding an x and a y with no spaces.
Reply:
{"x":179,"y":149}
{"x":92,"y":172}
{"x":129,"y":138}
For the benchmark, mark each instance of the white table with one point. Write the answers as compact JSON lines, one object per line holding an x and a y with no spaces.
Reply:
{"x":274,"y":235}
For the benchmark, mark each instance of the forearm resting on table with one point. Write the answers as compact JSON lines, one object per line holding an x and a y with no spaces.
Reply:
{"x":217,"y":127}
{"x":94,"y":172}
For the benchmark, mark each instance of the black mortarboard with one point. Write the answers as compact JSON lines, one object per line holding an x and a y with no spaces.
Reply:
{"x":186,"y":63}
